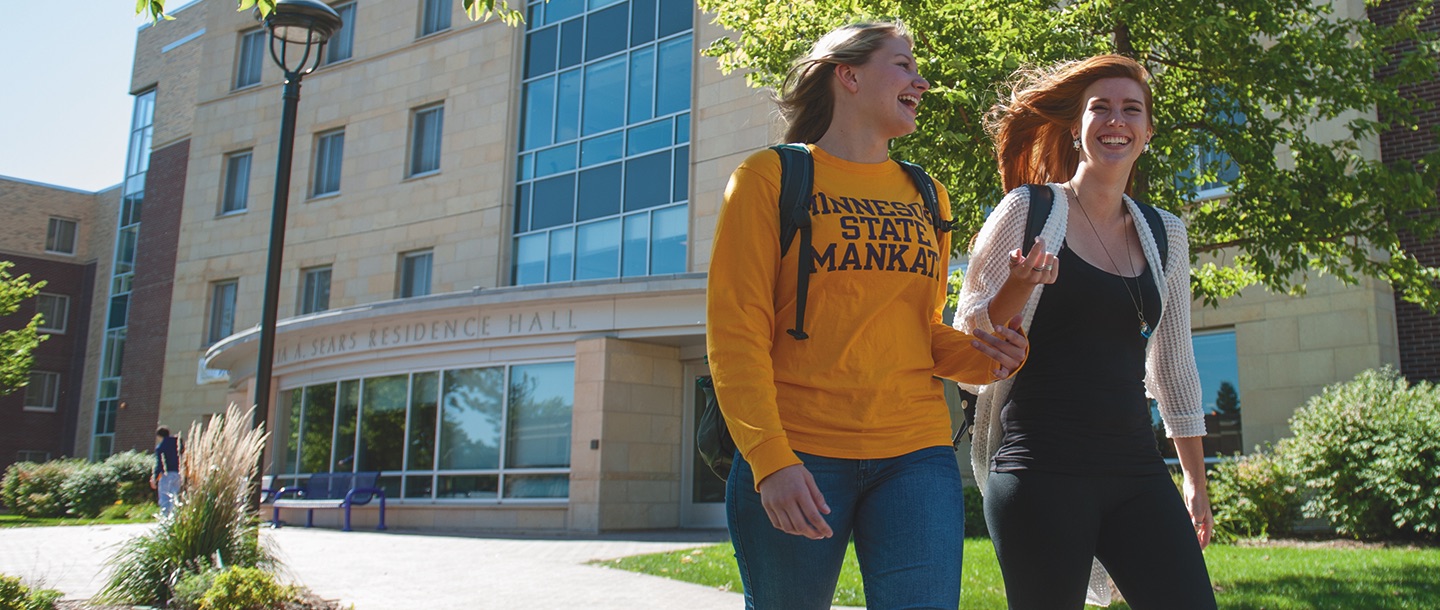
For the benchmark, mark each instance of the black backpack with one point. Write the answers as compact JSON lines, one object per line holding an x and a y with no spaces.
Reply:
{"x":797,"y":189}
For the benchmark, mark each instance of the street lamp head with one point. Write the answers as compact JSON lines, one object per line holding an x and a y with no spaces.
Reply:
{"x":302,"y":21}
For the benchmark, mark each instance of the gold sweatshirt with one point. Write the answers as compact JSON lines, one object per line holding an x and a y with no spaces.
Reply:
{"x":862,"y":386}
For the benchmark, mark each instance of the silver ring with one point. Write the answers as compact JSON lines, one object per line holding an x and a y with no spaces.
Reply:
{"x":1038,"y":268}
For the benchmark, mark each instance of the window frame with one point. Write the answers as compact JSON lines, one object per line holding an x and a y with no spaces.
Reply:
{"x":345,"y":33}
{"x":404,"y":277}
{"x":46,"y":326}
{"x":243,"y":68}
{"x":51,"y":389}
{"x":307,"y":297}
{"x":325,"y":148}
{"x":415,"y":143}
{"x":228,"y":183}
{"x":54,"y":234}
{"x":218,"y":309}
{"x":435,"y":20}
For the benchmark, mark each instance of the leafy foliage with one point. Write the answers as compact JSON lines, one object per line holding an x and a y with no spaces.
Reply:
{"x":245,"y":589}
{"x":34,"y":490}
{"x":1256,"y":495}
{"x":1256,"y":80}
{"x":476,"y":9}
{"x":17,"y":346}
{"x":1370,"y":451}
{"x":89,"y":489}
{"x":14,"y":595}
{"x":131,"y":471}
{"x":214,"y":521}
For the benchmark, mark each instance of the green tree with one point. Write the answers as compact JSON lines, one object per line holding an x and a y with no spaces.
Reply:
{"x":17,"y":346}
{"x":1227,"y":400}
{"x":1252,"y":79}
{"x":476,"y":9}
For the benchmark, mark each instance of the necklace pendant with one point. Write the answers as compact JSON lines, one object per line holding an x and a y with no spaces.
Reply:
{"x":1146,"y":330}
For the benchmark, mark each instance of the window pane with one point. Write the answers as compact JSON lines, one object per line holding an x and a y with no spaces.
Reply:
{"x":539,"y":113}
{"x":382,"y":417}
{"x":598,"y":250}
{"x":415,"y":275}
{"x":470,"y":429}
{"x":237,"y":183}
{"x":667,"y":240}
{"x":604,"y":84}
{"x":329,"y":151}
{"x":604,"y":148}
{"x":481,"y":487}
{"x":540,"y":51}
{"x":1216,"y":359}
{"x":522,"y":208}
{"x":347,"y":408}
{"x":537,"y":486}
{"x":562,"y":255}
{"x":530,"y":259}
{"x":676,"y":16}
{"x":436,"y":17}
{"x":340,"y":44}
{"x":556,"y":10}
{"x":424,"y":396}
{"x":572,"y":42}
{"x":607,"y":30}
{"x":60,"y":236}
{"x":554,"y":202}
{"x":682,"y":128}
{"x":130,"y":208}
{"x":316,"y":295}
{"x":642,"y":84}
{"x":319,"y":426}
{"x":252,"y":57}
{"x":642,"y":21}
{"x":682,"y":174}
{"x":119,"y":313}
{"x":555,"y":160}
{"x":636,"y":256}
{"x":567,"y":116}
{"x":425,"y":141}
{"x":222,"y":311}
{"x":600,"y":192}
{"x":287,"y":427}
{"x":542,"y":397}
{"x":125,"y":244}
{"x":646,"y":138}
{"x":54,"y":309}
{"x":419,"y":487}
{"x":647,"y":181}
{"x":672,"y":83}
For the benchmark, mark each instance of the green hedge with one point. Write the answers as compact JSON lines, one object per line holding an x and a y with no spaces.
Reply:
{"x":14,"y":595}
{"x":75,"y":487}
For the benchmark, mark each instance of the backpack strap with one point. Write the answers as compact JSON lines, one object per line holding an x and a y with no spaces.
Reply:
{"x":926,"y":186}
{"x":1042,"y":200}
{"x":1157,"y":229}
{"x":797,"y":186}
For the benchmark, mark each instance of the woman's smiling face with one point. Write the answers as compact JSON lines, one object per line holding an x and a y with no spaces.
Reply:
{"x":1115,"y":125}
{"x":891,"y":87}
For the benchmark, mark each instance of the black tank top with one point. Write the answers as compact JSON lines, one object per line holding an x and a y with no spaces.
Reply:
{"x":1079,"y":406}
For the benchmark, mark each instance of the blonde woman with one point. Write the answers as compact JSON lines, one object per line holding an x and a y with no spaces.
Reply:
{"x":1064,"y":451}
{"x":845,"y":433}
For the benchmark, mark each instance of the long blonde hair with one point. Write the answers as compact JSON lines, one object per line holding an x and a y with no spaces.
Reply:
{"x":806,"y":100}
{"x":1031,"y":130}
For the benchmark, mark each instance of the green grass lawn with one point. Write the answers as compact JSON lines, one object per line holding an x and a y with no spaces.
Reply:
{"x":1245,"y":577}
{"x":140,"y":514}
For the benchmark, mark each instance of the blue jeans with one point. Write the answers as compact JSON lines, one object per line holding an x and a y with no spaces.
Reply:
{"x":167,"y":488}
{"x":906,"y":514}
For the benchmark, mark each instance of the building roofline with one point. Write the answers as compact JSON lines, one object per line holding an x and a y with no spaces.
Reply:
{"x":57,"y":186}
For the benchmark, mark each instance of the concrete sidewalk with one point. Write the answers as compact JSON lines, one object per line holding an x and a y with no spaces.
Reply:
{"x":407,"y":570}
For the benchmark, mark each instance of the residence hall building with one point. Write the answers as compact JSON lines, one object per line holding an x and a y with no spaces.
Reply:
{"x":494,"y":276}
{"x":62,"y":237}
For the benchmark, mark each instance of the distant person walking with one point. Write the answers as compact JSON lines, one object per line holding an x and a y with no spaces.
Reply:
{"x":166,"y":479}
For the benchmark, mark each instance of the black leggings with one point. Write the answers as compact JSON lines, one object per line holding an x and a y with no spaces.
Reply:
{"x":1046,"y":528}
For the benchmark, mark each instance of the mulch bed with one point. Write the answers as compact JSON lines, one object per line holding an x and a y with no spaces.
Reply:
{"x":308,"y":601}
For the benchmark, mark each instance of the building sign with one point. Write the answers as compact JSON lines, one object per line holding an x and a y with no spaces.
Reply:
{"x":390,"y":335}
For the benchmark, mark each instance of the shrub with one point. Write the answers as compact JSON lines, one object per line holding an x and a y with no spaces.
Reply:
{"x":245,"y":589}
{"x":975,"y":526}
{"x":34,"y":490}
{"x":14,"y":595}
{"x":1370,"y":451}
{"x":213,"y":523}
{"x":88,"y":490}
{"x":191,"y":588}
{"x":1256,"y":495}
{"x":132,"y":471}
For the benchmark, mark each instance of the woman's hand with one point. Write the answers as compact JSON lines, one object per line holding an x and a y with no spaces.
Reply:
{"x":1007,"y":347}
{"x":1197,"y":503}
{"x":794,"y":503}
{"x":1040,"y":267}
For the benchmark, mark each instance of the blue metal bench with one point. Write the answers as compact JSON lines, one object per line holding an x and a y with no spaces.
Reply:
{"x":330,"y":490}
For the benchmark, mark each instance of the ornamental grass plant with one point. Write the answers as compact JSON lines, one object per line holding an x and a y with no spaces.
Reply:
{"x":214,"y":522}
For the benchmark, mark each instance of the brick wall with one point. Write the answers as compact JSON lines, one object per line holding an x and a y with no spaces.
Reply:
{"x":1419,"y":331}
{"x":63,"y":353}
{"x":142,"y":374}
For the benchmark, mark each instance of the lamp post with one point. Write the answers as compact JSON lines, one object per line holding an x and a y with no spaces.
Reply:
{"x":297,"y":28}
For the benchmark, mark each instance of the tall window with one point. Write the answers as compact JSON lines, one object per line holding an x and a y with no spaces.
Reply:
{"x":434,"y":16}
{"x":341,"y":44}
{"x":315,"y":294}
{"x":329,"y":151}
{"x":426,"y":125}
{"x":60,"y":236}
{"x":1218,"y":363}
{"x":54,"y":309}
{"x":222,"y":310}
{"x":43,"y":391}
{"x":237,"y":183}
{"x":483,"y":434}
{"x":415,"y":273}
{"x":603,"y":187}
{"x":251,"y":58}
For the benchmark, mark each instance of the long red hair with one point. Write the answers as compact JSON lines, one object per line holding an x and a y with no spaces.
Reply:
{"x":1031,"y":129}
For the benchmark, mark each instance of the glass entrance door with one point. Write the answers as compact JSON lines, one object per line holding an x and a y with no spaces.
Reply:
{"x":703,"y":504}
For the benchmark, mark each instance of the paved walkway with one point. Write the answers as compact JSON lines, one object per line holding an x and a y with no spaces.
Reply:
{"x":407,"y":570}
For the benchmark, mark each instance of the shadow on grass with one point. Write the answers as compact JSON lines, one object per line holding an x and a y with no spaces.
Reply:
{"x":1381,"y":587}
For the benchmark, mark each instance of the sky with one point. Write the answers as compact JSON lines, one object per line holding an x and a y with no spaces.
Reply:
{"x":67,"y":102}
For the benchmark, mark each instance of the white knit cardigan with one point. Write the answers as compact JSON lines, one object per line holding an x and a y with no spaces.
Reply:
{"x":1170,"y":373}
